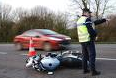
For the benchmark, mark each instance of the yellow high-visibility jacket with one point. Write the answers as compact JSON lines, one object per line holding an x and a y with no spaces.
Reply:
{"x":83,"y":34}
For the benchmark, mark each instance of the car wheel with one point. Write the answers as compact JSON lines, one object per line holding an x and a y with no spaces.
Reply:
{"x":18,"y":46}
{"x":47,"y":46}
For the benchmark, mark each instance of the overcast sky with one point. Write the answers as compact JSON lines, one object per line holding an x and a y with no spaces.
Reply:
{"x":55,"y":5}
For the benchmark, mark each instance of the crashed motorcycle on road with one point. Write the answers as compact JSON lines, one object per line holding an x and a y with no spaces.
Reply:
{"x":51,"y":61}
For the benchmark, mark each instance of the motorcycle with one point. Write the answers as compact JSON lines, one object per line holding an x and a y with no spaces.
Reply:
{"x":47,"y":62}
{"x":51,"y":61}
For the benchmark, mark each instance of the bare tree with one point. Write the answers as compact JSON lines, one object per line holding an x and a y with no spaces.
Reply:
{"x":6,"y":10}
{"x":19,"y":13}
{"x":0,"y":15}
{"x":84,"y":3}
{"x":39,"y":17}
{"x":99,"y":7}
{"x":6,"y":23}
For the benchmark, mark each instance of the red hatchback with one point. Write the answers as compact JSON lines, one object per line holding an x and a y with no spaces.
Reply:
{"x":43,"y":39}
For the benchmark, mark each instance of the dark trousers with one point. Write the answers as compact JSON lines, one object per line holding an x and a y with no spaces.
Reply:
{"x":89,"y":54}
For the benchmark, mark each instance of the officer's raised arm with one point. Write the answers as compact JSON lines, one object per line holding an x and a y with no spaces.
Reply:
{"x":99,"y":21}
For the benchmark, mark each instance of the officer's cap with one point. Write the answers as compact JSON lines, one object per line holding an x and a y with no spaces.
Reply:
{"x":86,"y":10}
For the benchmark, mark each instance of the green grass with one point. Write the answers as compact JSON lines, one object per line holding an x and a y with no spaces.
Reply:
{"x":6,"y":42}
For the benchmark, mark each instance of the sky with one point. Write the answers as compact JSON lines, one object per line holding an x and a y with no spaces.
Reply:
{"x":55,"y":5}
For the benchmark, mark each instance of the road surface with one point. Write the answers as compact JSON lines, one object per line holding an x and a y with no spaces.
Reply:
{"x":12,"y":63}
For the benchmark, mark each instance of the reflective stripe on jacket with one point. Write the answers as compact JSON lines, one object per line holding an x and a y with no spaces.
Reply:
{"x":83,"y":34}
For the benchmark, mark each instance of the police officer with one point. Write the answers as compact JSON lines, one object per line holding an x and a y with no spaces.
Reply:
{"x":86,"y":36}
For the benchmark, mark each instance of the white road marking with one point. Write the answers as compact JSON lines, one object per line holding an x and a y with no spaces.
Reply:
{"x":24,"y":54}
{"x":3,"y":52}
{"x":110,"y":59}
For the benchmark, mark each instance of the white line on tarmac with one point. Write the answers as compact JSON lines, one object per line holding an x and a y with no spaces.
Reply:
{"x":3,"y":52}
{"x":24,"y":54}
{"x":110,"y":59}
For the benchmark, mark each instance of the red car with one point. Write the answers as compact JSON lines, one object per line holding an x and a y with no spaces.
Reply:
{"x":43,"y":39}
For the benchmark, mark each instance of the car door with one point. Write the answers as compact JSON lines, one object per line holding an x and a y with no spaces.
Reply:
{"x":37,"y":41}
{"x":35,"y":37}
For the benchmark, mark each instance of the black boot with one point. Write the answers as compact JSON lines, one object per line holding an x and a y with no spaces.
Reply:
{"x":86,"y":71}
{"x":94,"y":73}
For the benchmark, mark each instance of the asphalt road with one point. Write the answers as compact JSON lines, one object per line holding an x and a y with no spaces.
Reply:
{"x":12,"y":63}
